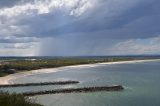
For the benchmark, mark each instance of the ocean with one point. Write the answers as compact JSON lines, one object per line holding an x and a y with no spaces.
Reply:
{"x":140,"y":80}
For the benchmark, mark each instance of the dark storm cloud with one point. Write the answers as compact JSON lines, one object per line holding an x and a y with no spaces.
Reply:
{"x":142,"y":21}
{"x":138,"y":21}
{"x":80,"y":27}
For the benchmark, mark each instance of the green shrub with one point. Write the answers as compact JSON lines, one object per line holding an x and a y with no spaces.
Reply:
{"x":7,"y":99}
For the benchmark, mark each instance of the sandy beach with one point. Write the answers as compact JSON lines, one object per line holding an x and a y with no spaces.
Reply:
{"x":8,"y":79}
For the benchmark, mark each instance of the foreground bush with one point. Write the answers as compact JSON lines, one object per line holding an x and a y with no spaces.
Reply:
{"x":7,"y":99}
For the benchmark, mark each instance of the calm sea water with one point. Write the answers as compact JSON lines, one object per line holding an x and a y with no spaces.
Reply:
{"x":141,"y":82}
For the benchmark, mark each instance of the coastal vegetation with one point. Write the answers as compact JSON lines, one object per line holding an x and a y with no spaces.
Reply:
{"x":17,"y":64}
{"x":7,"y":99}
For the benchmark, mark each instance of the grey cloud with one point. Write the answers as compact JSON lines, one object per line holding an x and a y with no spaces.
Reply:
{"x":141,"y":46}
{"x":118,"y":22}
{"x":118,"y":19}
{"x":18,"y":39}
{"x":18,"y":46}
{"x":8,"y":3}
{"x":142,"y":15}
{"x":93,"y":32}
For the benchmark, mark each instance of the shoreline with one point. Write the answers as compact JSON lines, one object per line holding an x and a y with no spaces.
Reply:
{"x":8,"y":79}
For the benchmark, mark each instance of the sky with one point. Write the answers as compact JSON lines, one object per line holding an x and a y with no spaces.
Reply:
{"x":79,"y":27}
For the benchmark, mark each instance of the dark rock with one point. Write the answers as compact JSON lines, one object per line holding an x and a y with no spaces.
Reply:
{"x":77,"y":90}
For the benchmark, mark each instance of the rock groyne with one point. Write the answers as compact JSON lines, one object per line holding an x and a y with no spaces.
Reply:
{"x":77,"y":90}
{"x":40,"y":84}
